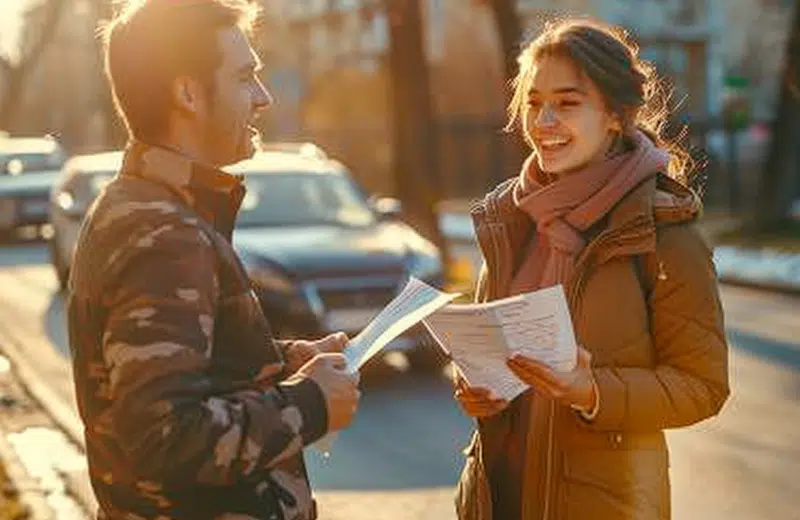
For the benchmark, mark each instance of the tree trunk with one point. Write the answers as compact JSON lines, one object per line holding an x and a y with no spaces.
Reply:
{"x":12,"y":96}
{"x":116,"y":134}
{"x":414,"y":140}
{"x":509,"y":30}
{"x":780,"y":178}
{"x":16,"y":73}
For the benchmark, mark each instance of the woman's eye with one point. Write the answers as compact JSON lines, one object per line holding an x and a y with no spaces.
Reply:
{"x":569,"y":103}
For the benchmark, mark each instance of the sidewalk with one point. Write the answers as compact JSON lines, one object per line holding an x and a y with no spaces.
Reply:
{"x":37,"y":462}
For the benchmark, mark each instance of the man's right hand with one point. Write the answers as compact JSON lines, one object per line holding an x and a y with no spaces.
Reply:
{"x":339,"y":388}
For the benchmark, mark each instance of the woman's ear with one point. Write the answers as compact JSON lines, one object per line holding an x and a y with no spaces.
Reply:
{"x":615,"y":125}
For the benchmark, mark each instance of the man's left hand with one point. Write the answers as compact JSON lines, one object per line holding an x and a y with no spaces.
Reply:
{"x":301,"y":351}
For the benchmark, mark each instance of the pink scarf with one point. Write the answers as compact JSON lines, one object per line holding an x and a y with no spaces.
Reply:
{"x":567,"y":206}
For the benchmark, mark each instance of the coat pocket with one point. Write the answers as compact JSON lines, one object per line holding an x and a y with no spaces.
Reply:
{"x":473,"y":496}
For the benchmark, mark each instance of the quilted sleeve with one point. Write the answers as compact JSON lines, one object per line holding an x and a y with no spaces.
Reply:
{"x":690,"y":380}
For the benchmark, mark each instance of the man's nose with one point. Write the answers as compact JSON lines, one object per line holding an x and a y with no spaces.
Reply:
{"x":262,"y":98}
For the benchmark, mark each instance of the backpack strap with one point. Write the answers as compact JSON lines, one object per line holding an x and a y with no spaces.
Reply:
{"x":646,"y":281}
{"x":649,"y":270}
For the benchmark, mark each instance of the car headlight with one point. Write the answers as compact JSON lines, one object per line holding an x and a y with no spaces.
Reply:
{"x":270,"y":279}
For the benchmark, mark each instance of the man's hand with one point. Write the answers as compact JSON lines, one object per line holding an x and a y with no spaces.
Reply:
{"x":339,"y":387}
{"x":575,"y":388}
{"x":301,"y":351}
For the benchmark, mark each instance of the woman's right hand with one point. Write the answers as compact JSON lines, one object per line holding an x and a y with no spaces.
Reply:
{"x":477,"y":402}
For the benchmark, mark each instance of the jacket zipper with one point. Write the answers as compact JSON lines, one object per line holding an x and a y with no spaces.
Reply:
{"x":573,"y":291}
{"x":549,"y":464}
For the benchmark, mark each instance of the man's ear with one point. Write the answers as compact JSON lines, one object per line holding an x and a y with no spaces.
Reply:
{"x":187,"y":94}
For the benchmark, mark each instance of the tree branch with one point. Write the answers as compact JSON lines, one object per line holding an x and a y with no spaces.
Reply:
{"x":52,"y":15}
{"x":15,"y":74}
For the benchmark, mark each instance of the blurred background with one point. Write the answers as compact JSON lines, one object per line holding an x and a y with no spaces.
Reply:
{"x":349,"y":75}
{"x":407,"y":98}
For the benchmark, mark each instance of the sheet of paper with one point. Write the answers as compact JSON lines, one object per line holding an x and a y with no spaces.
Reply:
{"x":538,"y":325}
{"x":473,"y":337}
{"x":481,"y":337}
{"x":416,"y":301}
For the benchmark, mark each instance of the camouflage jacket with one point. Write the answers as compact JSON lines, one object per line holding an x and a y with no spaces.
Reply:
{"x":180,"y":385}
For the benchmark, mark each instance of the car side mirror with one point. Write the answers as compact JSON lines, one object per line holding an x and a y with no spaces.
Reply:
{"x":387,"y":208}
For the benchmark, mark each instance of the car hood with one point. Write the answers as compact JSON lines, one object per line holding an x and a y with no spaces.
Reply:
{"x":327,"y":250}
{"x":32,"y":183}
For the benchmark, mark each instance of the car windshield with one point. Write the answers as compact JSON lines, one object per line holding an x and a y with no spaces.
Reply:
{"x":303,"y":199}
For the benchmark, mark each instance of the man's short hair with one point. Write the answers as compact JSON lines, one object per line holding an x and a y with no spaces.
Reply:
{"x":153,"y":42}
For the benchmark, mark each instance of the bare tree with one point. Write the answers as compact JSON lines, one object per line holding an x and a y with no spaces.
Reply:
{"x":414,"y":140}
{"x":103,"y":11}
{"x":509,"y":30}
{"x":42,"y":23}
{"x":780,"y":179}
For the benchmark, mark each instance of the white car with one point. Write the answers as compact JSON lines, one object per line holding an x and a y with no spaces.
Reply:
{"x":28,"y":168}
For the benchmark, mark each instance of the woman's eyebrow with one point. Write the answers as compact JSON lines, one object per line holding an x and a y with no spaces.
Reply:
{"x":560,"y":90}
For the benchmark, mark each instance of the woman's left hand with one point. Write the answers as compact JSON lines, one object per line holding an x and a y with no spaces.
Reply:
{"x":575,"y":388}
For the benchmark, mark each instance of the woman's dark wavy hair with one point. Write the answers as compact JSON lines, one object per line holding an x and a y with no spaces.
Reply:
{"x":629,"y":85}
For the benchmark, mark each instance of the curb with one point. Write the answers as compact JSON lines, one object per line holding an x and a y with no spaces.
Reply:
{"x":28,"y":492}
{"x":766,"y":285}
{"x":40,"y":391}
{"x":62,"y":416}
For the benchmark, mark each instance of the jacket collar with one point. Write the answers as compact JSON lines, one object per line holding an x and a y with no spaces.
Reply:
{"x":630,"y":225}
{"x":213,"y":194}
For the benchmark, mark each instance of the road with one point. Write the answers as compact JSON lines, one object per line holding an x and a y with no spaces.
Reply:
{"x":401,"y":457}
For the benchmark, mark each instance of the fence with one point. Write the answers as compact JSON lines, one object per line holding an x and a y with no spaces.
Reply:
{"x":475,"y":154}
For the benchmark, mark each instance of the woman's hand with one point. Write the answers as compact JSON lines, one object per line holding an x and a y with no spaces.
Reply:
{"x":575,"y":388}
{"x":475,"y":401}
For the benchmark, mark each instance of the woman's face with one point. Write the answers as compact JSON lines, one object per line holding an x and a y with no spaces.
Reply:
{"x":565,"y":118}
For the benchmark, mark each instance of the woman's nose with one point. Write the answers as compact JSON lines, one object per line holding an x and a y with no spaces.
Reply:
{"x":546,"y":116}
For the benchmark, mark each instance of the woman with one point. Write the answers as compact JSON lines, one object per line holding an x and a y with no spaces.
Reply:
{"x":600,"y":207}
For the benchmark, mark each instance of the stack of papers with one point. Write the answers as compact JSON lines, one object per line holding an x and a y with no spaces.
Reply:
{"x":479,"y":338}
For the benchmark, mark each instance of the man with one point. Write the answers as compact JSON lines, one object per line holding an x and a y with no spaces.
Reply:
{"x":192,"y":410}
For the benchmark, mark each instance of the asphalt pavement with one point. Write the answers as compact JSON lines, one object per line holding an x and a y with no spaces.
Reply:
{"x":401,"y":457}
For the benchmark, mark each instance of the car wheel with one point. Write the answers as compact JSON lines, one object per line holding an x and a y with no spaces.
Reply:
{"x":61,"y":269}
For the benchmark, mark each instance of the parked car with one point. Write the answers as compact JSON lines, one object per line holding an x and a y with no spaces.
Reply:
{"x":321,"y":255}
{"x":24,"y":154}
{"x":28,"y":169}
{"x":79,"y":182}
{"x":303,"y":148}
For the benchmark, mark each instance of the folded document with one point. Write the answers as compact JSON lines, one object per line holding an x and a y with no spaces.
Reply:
{"x":479,"y":338}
